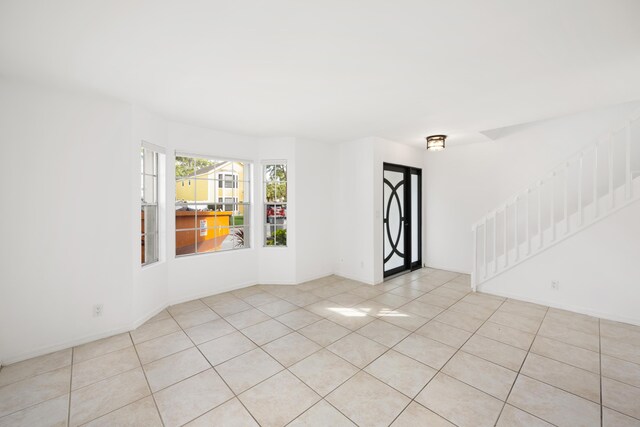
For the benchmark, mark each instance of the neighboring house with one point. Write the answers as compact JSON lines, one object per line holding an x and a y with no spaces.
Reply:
{"x":221,"y":182}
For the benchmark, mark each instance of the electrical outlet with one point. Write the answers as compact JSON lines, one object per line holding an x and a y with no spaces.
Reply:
{"x":97,"y":310}
{"x":555,"y":285}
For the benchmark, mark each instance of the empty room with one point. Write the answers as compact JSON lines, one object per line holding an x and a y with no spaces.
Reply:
{"x":304,"y":213}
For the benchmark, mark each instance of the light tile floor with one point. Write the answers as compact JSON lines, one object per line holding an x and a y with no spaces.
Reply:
{"x":417,"y":350}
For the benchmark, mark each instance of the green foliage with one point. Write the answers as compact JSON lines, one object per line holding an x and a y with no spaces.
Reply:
{"x":187,"y":166}
{"x":278,"y":239}
{"x":276,"y":178}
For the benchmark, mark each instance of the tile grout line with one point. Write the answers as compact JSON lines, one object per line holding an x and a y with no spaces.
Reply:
{"x":147,"y":380}
{"x":70,"y":387}
{"x":600,"y":376}
{"x":520,"y":370}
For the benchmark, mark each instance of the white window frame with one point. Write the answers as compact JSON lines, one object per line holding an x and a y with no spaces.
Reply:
{"x":156,"y":177}
{"x":266,"y":204}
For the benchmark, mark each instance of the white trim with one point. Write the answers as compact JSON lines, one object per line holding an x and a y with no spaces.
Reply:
{"x":178,"y":153}
{"x":153,"y":147}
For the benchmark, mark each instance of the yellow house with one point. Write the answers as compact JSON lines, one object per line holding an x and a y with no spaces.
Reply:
{"x":221,"y":185}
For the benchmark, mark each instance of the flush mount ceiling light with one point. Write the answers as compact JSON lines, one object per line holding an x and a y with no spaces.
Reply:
{"x":436,"y":142}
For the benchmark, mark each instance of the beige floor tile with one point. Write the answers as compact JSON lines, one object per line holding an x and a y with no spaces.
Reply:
{"x":423,"y":309}
{"x":140,"y":413}
{"x":437,"y":300}
{"x":35,"y":366}
{"x":392,"y":300}
{"x":219,"y":298}
{"x":209,"y":331}
{"x":406,"y":375}
{"x":524,"y":309}
{"x":488,"y":301}
{"x":31,"y":391}
{"x":229,"y":414}
{"x":374,"y":308}
{"x":383,"y":333}
{"x":611,"y":418}
{"x":495,"y":351}
{"x":186,"y":307}
{"x":572,"y":355}
{"x":449,"y":292}
{"x":514,"y":417}
{"x":277,"y":308}
{"x":321,"y":414}
{"x":621,"y":397}
{"x":323,"y":371}
{"x":278,"y":400}
{"x":522,"y":323}
{"x":261,"y":298}
{"x":557,"y":332}
{"x":425,"y":350}
{"x":356,"y":349}
{"x":264,"y":332}
{"x":229,"y":306}
{"x":620,"y":331}
{"x":103,"y":346}
{"x":246,"y":318}
{"x":407,"y":292}
{"x":421,"y":285}
{"x":172,"y":369}
{"x":327,"y":291}
{"x":303,"y":298}
{"x":324,"y":332}
{"x":444,"y":333}
{"x":506,"y":335}
{"x":459,"y":320}
{"x":164,"y":314}
{"x":99,"y":368}
{"x":459,"y":403}
{"x":291,"y":348}
{"x":298,"y":319}
{"x":366,"y":291}
{"x":552,"y":404}
{"x":368,"y":401}
{"x":404,"y":319}
{"x":577,"y":321}
{"x":51,"y":413}
{"x":158,"y":348}
{"x":98,"y":399}
{"x":346,"y":299}
{"x":248,"y":291}
{"x":566,"y":377}
{"x":247,"y":370}
{"x":474,"y":310}
{"x":625,"y":350}
{"x":149,"y":331}
{"x":195,"y":318}
{"x":493,"y":379}
{"x":325,"y":308}
{"x":189,"y":399}
{"x":351,"y":318}
{"x":227,"y":347}
{"x":417,"y":415}
{"x":620,"y":370}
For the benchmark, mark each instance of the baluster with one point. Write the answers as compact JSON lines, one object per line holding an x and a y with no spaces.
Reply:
{"x":506,"y":249}
{"x":613,"y":198}
{"x":566,"y":198}
{"x":495,"y":241}
{"x":540,"y":214}
{"x":595,"y":183}
{"x":526,"y":220}
{"x":484,"y":250}
{"x":515,"y":228}
{"x":628,"y":177}
{"x":580,"y":178}
{"x":553,"y":207}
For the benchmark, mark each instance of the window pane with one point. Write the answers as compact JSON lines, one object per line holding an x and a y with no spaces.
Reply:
{"x":149,"y":219}
{"x":214,"y":239}
{"x":238,"y":238}
{"x":185,"y":167}
{"x":149,"y":248}
{"x":280,"y":236}
{"x":150,"y":162}
{"x":270,"y":192}
{"x":185,"y":242}
{"x":150,"y":189}
{"x":185,"y":190}
{"x":281,"y":172}
{"x":185,"y":218}
{"x":281,"y":192}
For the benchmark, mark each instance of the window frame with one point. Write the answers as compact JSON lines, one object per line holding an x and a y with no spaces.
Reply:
{"x":276,"y":204}
{"x":155,"y":205}
{"x":243,"y":205}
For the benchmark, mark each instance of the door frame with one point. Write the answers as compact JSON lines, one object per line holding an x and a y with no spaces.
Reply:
{"x":407,"y":172}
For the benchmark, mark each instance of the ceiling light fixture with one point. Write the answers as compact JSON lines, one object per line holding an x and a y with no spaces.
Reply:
{"x":436,"y":142}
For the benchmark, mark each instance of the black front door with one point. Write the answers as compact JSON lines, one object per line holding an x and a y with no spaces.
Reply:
{"x":402,"y":213}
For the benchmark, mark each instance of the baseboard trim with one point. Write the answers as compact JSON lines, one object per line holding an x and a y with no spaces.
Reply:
{"x":561,"y":306}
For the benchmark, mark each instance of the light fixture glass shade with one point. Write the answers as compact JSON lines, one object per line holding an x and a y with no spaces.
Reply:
{"x":436,"y":142}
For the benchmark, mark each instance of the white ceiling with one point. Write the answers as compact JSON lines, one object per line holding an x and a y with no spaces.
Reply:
{"x":335,"y":70}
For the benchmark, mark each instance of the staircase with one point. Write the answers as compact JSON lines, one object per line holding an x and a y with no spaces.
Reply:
{"x":587,"y":187}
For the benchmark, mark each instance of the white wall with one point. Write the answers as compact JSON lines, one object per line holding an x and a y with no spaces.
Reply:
{"x":462,"y":183}
{"x":66,"y":226}
{"x":360,"y":239}
{"x":317,"y":211}
{"x":597,"y":270}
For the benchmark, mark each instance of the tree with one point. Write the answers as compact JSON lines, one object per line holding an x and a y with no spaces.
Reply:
{"x":276,"y":178}
{"x":188,"y":166}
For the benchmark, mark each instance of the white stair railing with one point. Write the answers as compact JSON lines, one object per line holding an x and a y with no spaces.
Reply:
{"x":583,"y":189}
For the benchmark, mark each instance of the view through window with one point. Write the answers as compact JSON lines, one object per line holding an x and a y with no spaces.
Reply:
{"x":148,"y":205}
{"x":275,"y":204}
